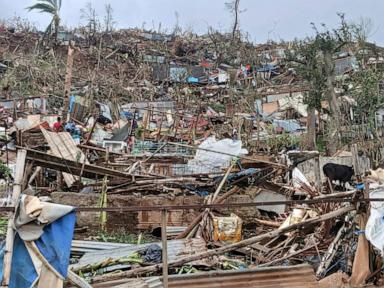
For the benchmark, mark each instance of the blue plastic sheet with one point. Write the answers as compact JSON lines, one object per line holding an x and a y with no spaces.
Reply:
{"x":72,"y":101}
{"x":54,"y":245}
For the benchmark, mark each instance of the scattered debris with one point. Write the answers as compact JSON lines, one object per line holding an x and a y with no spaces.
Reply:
{"x":180,"y":138}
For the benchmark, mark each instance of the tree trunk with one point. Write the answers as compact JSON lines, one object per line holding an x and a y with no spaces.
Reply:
{"x":311,"y":129}
{"x":57,"y":24}
{"x":235,"y":24}
{"x":334,"y":119}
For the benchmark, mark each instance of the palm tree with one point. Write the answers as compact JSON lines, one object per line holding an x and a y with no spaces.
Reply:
{"x":51,"y":7}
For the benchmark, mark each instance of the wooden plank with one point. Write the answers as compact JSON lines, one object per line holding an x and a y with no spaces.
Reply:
{"x":62,"y":145}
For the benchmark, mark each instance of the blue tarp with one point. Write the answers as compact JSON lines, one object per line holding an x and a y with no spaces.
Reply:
{"x":54,"y":245}
{"x":192,"y":79}
{"x":126,"y":114}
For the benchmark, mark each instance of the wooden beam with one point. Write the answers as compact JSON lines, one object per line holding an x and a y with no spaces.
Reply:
{"x":89,"y":171}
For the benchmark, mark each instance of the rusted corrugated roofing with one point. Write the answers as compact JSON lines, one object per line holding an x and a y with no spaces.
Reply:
{"x":300,"y":276}
{"x":269,"y":277}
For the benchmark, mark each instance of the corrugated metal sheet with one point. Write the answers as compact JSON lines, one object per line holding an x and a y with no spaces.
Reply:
{"x":82,"y":247}
{"x":269,"y":277}
{"x":176,"y":249}
{"x":159,"y":72}
{"x":154,"y":58}
{"x":62,"y":145}
{"x":152,"y":282}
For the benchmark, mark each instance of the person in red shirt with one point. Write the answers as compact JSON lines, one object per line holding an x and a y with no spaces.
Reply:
{"x":58,"y":125}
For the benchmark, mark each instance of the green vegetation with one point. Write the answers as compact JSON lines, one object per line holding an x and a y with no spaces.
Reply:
{"x":3,"y":226}
{"x":5,"y":170}
{"x":279,"y":142}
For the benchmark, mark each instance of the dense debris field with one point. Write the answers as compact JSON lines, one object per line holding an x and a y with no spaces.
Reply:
{"x":135,"y":158}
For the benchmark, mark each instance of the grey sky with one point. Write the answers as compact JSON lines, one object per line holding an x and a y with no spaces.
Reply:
{"x":277,"y":19}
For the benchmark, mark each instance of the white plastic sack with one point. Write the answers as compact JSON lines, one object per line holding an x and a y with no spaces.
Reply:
{"x":298,"y":178}
{"x":374,"y":230}
{"x":208,"y":162}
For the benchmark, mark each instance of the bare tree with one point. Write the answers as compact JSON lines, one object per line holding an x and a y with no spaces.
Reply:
{"x":88,"y":13}
{"x":109,"y":21}
{"x":234,"y":8}
{"x":177,"y":28}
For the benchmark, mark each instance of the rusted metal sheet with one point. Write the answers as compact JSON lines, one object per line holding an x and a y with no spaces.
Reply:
{"x":152,"y":282}
{"x":269,"y":277}
{"x":290,"y":276}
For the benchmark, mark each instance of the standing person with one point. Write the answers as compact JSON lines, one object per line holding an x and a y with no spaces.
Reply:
{"x":58,"y":125}
{"x":30,"y":105}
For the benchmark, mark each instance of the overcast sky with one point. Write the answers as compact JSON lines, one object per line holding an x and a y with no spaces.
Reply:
{"x":262,"y":19}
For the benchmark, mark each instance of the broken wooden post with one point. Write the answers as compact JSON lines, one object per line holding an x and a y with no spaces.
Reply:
{"x":318,"y":183}
{"x":77,"y":280}
{"x":160,"y":127}
{"x":20,"y":164}
{"x":91,"y":132}
{"x":164,"y":214}
{"x":68,"y":80}
{"x":356,"y":163}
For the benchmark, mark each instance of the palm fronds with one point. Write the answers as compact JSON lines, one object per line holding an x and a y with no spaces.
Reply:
{"x":51,"y":7}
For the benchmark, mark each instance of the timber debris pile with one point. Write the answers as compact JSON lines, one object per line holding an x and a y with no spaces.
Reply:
{"x":226,"y":161}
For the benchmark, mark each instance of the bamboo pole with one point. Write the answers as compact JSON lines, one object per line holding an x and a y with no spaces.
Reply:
{"x":7,"y":264}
